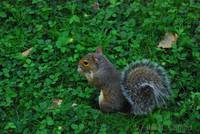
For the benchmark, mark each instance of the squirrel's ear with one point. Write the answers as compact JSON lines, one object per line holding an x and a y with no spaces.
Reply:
{"x":95,"y":58}
{"x":99,"y":50}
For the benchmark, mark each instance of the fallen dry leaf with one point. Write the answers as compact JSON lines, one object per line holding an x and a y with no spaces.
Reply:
{"x":26,"y":53}
{"x":168,"y":40}
{"x":56,"y":103}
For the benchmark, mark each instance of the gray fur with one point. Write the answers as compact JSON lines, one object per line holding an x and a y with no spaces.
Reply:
{"x":106,"y":79}
{"x":142,"y":86}
{"x":144,"y":93}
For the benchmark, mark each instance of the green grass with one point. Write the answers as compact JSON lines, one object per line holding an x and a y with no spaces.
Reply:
{"x":61,"y":32}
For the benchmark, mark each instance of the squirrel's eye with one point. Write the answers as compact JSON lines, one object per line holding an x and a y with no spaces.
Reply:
{"x":85,"y":63}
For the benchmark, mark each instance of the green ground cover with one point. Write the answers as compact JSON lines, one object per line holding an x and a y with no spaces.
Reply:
{"x":62,"y":31}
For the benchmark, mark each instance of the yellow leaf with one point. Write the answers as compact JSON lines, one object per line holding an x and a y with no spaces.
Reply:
{"x":168,"y":40}
{"x":26,"y":53}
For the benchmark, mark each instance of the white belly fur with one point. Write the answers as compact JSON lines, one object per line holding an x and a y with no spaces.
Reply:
{"x":100,"y":97}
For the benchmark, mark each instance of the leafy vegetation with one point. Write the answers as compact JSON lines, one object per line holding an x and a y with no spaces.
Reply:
{"x":61,"y":32}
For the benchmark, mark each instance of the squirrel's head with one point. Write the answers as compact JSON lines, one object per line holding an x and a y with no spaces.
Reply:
{"x":90,"y":63}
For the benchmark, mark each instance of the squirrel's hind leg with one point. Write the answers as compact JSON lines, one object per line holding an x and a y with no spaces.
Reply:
{"x":106,"y":107}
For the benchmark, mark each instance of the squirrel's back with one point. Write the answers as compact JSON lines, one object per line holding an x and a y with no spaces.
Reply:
{"x":141,"y":87}
{"x":145,"y":85}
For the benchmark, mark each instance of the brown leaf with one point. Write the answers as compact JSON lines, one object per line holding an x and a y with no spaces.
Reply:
{"x":168,"y":40}
{"x":27,"y":52}
{"x":57,"y":101}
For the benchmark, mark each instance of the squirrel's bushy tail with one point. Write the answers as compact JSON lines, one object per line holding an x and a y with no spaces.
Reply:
{"x":145,"y":85}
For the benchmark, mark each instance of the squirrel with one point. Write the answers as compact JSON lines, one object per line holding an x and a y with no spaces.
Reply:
{"x":139,"y":88}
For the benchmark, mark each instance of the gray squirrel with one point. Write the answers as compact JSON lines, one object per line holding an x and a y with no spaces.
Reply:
{"x":142,"y":86}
